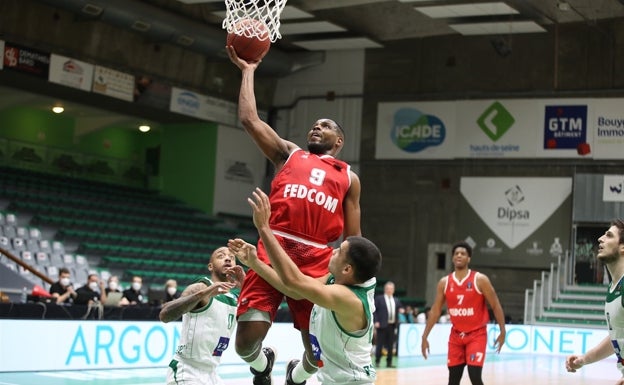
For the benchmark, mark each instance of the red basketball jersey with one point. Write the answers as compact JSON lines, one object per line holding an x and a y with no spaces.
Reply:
{"x":307,"y":195}
{"x":466,"y":304}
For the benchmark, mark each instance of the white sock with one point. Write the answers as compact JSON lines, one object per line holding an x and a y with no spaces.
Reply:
{"x":299,"y":374}
{"x":260,"y":363}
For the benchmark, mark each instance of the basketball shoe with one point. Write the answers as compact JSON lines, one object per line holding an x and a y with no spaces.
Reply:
{"x":264,"y":377}
{"x":289,"y":368}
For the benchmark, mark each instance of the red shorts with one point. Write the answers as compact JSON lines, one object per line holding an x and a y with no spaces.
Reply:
{"x":256,"y":293}
{"x":467,"y":348}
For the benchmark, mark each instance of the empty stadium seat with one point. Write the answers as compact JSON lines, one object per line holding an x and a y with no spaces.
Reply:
{"x":69,"y":260}
{"x":27,"y":257}
{"x":56,"y":259}
{"x":42,"y":258}
{"x":18,"y":244}
{"x":9,"y":231}
{"x":52,"y":272}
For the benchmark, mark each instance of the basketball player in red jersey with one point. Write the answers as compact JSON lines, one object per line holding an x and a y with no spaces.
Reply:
{"x":465,"y":292}
{"x":315,"y":199}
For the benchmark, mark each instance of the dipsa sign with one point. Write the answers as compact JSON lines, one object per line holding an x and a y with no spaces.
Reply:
{"x":523,"y":339}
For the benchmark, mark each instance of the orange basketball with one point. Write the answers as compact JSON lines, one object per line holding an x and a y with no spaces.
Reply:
{"x":250,"y":39}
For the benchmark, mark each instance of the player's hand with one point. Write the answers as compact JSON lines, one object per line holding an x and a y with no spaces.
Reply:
{"x":217,"y":288}
{"x":236,"y":275}
{"x":500,"y":341}
{"x":261,"y":208}
{"x":573,"y":363}
{"x":245,"y":252}
{"x":240,"y":63}
{"x":424,"y":347}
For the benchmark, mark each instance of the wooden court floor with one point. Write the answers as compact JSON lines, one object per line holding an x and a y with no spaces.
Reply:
{"x":507,"y":369}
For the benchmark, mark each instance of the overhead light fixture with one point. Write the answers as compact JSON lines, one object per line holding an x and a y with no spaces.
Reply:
{"x":92,"y":9}
{"x":185,"y":40}
{"x":563,"y":6}
{"x":144,"y":128}
{"x":58,"y":109}
{"x":467,"y":10}
{"x":140,"y":25}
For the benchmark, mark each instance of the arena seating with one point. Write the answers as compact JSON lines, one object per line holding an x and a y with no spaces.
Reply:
{"x":110,"y":229}
{"x":556,"y":300}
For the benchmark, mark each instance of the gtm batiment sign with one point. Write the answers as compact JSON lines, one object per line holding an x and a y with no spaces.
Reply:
{"x":515,"y":221}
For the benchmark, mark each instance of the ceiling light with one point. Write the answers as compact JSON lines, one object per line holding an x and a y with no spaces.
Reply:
{"x":144,"y":128}
{"x":309,"y":27}
{"x":466,"y":10}
{"x":337,"y":44}
{"x":563,"y":6}
{"x":497,"y":28}
{"x":58,"y":109}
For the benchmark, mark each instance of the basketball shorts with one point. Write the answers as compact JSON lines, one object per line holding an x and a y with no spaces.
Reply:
{"x":467,"y":348}
{"x":189,"y":373}
{"x":256,"y":293}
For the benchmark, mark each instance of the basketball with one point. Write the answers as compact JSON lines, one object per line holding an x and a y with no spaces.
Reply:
{"x":250,"y":39}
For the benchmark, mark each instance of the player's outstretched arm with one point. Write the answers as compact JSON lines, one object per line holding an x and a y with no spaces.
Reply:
{"x":193,"y":297}
{"x":246,"y":253}
{"x":599,"y":352}
{"x":266,"y":138}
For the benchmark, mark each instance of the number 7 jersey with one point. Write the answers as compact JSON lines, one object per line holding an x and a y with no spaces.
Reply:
{"x":466,"y":304}
{"x":307,"y":197}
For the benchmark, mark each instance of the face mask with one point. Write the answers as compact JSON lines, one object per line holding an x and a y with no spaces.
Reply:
{"x":113,"y":285}
{"x":171,"y":290}
{"x":65,"y":281}
{"x":93,"y":286}
{"x":136,"y":286}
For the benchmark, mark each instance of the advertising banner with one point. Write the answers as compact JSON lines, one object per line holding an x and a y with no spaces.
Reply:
{"x":564,"y":128}
{"x":607,"y":125}
{"x":34,"y":345}
{"x":116,"y":84}
{"x":203,"y":107}
{"x":26,"y":60}
{"x":524,"y":339}
{"x":515,"y":221}
{"x":71,"y":72}
{"x":423,"y":130}
{"x":496,"y":129}
{"x":613,"y":188}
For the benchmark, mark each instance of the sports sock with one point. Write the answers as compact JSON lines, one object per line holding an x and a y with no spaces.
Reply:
{"x":260,"y":363}
{"x":299,"y":374}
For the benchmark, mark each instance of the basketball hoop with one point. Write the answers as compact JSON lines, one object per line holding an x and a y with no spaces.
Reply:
{"x":266,"y":11}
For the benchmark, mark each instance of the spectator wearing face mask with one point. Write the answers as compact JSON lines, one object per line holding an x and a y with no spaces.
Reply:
{"x":62,"y":290}
{"x":171,"y":290}
{"x":113,"y":285}
{"x":133,"y":294}
{"x":93,"y":292}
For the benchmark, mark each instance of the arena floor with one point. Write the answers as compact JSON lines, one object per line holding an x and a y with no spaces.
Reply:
{"x":502,"y":369}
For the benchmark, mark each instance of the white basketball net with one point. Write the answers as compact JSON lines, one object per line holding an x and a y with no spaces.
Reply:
{"x":267,"y":11}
